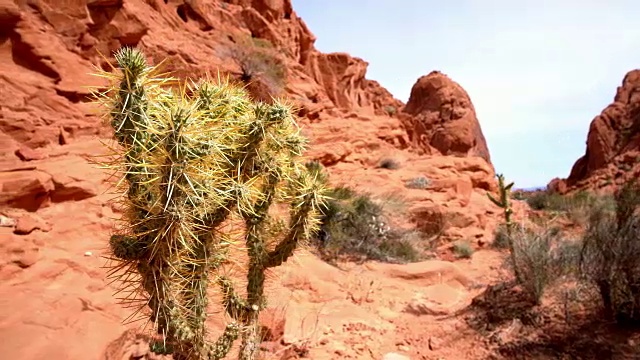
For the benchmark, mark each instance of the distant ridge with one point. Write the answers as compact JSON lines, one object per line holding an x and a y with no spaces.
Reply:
{"x":537,"y":188}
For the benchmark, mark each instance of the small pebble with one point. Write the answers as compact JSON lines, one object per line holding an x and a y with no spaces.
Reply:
{"x":88,"y":253}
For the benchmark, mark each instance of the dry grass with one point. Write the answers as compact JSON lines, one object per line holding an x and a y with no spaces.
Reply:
{"x":610,"y":255}
{"x":262,"y":68}
{"x":462,"y":249}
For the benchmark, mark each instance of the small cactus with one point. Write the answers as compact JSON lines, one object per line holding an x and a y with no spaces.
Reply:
{"x":504,"y":203}
{"x":192,"y":158}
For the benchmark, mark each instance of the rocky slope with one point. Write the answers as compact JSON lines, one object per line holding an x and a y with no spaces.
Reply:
{"x":54,"y":203}
{"x":613,"y":144}
{"x":48,"y":51}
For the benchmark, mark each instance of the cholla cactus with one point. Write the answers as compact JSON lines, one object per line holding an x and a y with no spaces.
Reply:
{"x":504,"y":203}
{"x":194,"y":157}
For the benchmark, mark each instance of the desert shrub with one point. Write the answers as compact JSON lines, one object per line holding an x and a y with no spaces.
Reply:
{"x":537,"y":200}
{"x":389,"y":163}
{"x":355,"y":226}
{"x":399,"y":247}
{"x":545,"y":200}
{"x":575,"y":207}
{"x":501,"y":237}
{"x":535,"y":260}
{"x":419,"y":182}
{"x":610,"y":255}
{"x":390,"y":110}
{"x":552,"y":201}
{"x":519,"y":195}
{"x":462,"y":249}
{"x":566,"y":257}
{"x":260,"y":65}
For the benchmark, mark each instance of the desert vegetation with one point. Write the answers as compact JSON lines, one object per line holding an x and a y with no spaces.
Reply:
{"x":356,"y":226}
{"x":261,"y":67}
{"x":192,"y":162}
{"x":419,"y":183}
{"x":583,"y":259}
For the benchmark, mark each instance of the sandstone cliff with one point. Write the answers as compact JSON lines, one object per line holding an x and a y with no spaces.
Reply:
{"x":48,"y":50}
{"x":613,"y":144}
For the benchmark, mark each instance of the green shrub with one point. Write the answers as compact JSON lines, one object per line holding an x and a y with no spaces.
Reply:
{"x":537,"y":257}
{"x":355,"y":226}
{"x":551,"y":201}
{"x":462,"y":249}
{"x":533,"y":260}
{"x":501,"y":237}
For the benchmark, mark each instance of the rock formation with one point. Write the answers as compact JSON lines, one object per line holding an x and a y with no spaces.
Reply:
{"x":613,"y":143}
{"x":48,"y":52}
{"x":442,"y":117}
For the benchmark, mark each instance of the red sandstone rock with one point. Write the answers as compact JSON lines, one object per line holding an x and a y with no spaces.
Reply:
{"x":30,"y":222}
{"x":442,"y":117}
{"x":25,"y":153}
{"x":613,"y":142}
{"x":44,"y":79}
{"x":27,"y":189}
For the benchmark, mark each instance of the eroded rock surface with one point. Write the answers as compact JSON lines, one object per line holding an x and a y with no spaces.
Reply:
{"x":612,"y":153}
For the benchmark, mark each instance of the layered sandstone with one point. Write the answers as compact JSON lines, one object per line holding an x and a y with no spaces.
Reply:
{"x":48,"y":50}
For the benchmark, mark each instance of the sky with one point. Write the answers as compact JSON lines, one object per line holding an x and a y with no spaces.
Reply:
{"x":537,"y":71}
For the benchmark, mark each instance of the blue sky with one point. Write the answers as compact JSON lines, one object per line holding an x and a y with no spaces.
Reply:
{"x":537,"y":71}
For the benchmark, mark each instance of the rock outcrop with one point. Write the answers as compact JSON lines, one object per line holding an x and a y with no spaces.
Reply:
{"x":47,"y":53}
{"x":613,"y":143}
{"x":442,"y":118}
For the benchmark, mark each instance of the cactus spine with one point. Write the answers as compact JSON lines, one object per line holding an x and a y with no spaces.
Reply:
{"x":195,"y":157}
{"x":504,"y":203}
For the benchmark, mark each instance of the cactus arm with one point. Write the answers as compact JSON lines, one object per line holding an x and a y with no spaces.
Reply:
{"x":235,"y":306}
{"x":505,"y":204}
{"x":310,"y":196}
{"x":508,"y":187}
{"x":494,"y":200}
{"x":298,"y":230}
{"x":222,"y":346}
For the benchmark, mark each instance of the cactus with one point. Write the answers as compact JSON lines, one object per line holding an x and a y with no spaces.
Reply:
{"x":504,"y":203}
{"x":194,"y":157}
